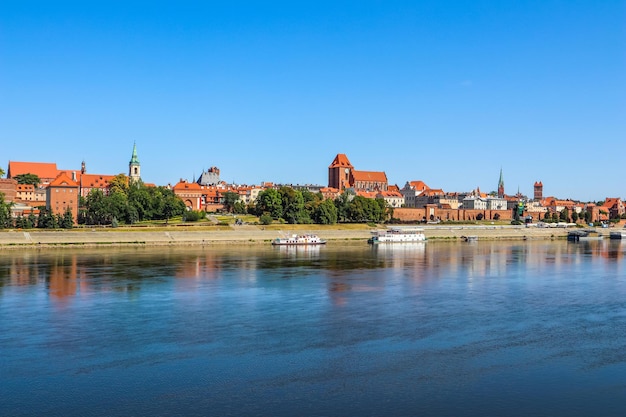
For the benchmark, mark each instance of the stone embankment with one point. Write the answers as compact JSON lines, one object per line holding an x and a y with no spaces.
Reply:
{"x":250,"y":235}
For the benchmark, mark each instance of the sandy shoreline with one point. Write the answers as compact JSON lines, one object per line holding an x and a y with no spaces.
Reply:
{"x":251,"y":235}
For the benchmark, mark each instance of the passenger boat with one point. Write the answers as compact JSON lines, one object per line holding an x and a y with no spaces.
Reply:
{"x":299,"y":240}
{"x":398,"y":234}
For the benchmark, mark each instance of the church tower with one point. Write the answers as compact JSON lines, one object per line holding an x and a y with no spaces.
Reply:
{"x":538,"y":196}
{"x":134,"y":168}
{"x":501,"y":185}
{"x":339,"y":172}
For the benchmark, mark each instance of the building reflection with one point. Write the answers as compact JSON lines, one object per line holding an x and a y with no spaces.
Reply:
{"x":66,"y":274}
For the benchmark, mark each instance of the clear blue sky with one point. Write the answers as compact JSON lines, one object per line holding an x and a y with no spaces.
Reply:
{"x":447,"y":92}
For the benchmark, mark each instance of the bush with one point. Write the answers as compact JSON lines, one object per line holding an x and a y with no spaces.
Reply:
{"x":266,"y":219}
{"x":193,"y":216}
{"x":516,"y":222}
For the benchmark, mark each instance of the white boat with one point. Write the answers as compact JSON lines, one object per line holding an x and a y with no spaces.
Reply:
{"x":398,"y":234}
{"x":299,"y":240}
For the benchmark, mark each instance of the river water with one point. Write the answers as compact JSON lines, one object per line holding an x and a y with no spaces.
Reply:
{"x":432,"y":329}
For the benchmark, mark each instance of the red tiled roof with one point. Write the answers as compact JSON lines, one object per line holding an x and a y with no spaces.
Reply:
{"x":95,"y":180}
{"x":41,"y":169}
{"x":389,"y":194}
{"x":419,"y":185}
{"x":341,"y":160}
{"x":62,"y":180}
{"x":184,"y":185}
{"x":367,"y":194}
{"x":431,"y":192}
{"x":374,"y":176}
{"x":611,"y":202}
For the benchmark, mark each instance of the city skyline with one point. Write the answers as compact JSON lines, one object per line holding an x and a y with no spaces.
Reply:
{"x":444,"y":93}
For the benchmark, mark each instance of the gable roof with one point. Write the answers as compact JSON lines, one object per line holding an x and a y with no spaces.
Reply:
{"x":184,"y":185}
{"x":374,"y":176}
{"x":63,"y":180}
{"x":341,"y":160}
{"x":418,"y":185}
{"x":41,"y":169}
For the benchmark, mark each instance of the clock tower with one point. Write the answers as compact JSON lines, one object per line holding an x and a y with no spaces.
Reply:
{"x":340,"y":173}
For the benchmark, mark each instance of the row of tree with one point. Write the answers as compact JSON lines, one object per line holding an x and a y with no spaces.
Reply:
{"x":45,"y":220}
{"x":295,"y":206}
{"x":129,"y":203}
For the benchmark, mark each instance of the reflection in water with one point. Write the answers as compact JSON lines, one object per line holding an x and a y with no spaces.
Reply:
{"x":438,"y":328}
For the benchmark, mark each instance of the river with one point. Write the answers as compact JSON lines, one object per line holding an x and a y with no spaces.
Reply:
{"x":432,"y":329}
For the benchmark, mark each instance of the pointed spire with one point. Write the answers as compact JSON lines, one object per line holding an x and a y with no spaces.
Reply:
{"x":134,"y":159}
{"x":501,"y":185}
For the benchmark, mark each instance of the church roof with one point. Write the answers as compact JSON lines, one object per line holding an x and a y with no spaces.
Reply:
{"x":374,"y":176}
{"x":41,"y":169}
{"x":341,"y":160}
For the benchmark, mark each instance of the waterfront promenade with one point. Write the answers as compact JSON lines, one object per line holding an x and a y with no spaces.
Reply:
{"x":249,"y":234}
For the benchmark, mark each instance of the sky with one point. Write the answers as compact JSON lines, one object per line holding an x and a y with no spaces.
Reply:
{"x":446,"y":92}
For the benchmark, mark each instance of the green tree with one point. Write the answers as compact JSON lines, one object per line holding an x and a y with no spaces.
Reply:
{"x":564,"y":215}
{"x":67,"y":222}
{"x":5,"y":213}
{"x":381,"y":211}
{"x":343,"y":203}
{"x":96,"y":208}
{"x":117,"y":205}
{"x":240,"y":207}
{"x":139,"y":200}
{"x":46,"y":219}
{"x":269,"y":201}
{"x":172,"y":206}
{"x":31,"y":221}
{"x":326,"y":212}
{"x":28,"y":179}
{"x":358,"y":209}
{"x":118,"y":184}
{"x":574,"y":216}
{"x":20,"y":222}
{"x":230,"y":199}
{"x":1,"y":172}
{"x":293,"y":205}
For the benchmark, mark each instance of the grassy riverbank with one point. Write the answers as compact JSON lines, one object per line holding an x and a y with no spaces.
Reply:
{"x":251,"y":234}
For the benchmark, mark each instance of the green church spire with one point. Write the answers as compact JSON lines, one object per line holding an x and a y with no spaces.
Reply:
{"x":133,"y":159}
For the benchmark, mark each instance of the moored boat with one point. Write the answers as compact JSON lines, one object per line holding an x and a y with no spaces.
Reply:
{"x":620,"y":234}
{"x":306,"y":239}
{"x":398,"y":234}
{"x":589,"y":234}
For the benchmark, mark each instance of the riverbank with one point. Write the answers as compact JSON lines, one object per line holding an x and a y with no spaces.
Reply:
{"x":250,"y":234}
